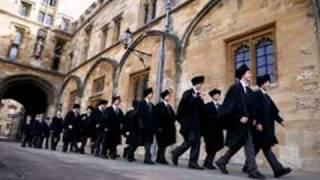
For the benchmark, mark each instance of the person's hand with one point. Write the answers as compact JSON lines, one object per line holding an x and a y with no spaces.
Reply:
{"x":244,"y":120}
{"x":259,"y":127}
{"x":70,"y":127}
{"x":97,"y":125}
{"x":106,"y":129}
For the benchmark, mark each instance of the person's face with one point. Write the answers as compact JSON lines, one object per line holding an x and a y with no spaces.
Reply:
{"x":102,"y":106}
{"x":58,"y":114}
{"x":168,"y":97}
{"x":77,"y":110}
{"x":198,"y":87}
{"x":216,"y":97}
{"x":117,"y":102}
{"x":150,"y":96}
{"x":28,"y":118}
{"x":89,"y":111}
{"x":247,"y":76}
{"x":266,"y":85}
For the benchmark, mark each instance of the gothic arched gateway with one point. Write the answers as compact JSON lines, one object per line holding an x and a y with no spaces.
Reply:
{"x":34,"y":93}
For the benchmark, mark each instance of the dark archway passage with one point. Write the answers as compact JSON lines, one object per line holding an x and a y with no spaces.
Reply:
{"x":37,"y":95}
{"x":32,"y":97}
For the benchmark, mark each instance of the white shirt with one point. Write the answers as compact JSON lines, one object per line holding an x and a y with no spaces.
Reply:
{"x":115,"y":108}
{"x":147,"y":100}
{"x":216,"y":103}
{"x":263,"y":91}
{"x":165,"y":102}
{"x":244,"y":85}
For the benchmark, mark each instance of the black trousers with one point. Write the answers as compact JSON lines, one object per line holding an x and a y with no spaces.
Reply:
{"x":147,"y":155}
{"x":161,"y":154}
{"x":98,"y":144}
{"x":84,"y":140}
{"x":192,"y":141}
{"x":54,"y":141}
{"x":70,"y":139}
{"x":271,"y":158}
{"x":37,"y":141}
{"x":249,"y":152}
{"x":26,"y":139}
{"x":210,"y":158}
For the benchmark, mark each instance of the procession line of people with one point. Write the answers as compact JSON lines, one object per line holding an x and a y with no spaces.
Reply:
{"x":248,"y":117}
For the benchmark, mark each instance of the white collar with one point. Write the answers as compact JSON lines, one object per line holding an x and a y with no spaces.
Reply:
{"x":115,"y":107}
{"x":263,"y":91}
{"x":215,"y":102}
{"x":244,"y":84}
{"x":165,"y":102}
{"x":147,"y":100}
{"x":194,"y":89}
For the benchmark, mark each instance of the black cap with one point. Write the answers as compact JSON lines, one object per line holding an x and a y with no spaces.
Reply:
{"x":76,"y":106}
{"x":214,"y":92}
{"x":241,"y":71}
{"x":165,"y":93}
{"x":102,"y":102}
{"x":114,"y":98}
{"x":197,"y":80}
{"x":135,"y":103}
{"x":147,"y":91}
{"x":263,"y":79}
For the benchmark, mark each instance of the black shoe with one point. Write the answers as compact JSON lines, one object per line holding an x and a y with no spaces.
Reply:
{"x":256,"y":175}
{"x":131,"y":159}
{"x":209,"y":166}
{"x":163,"y":161}
{"x":222,"y":168}
{"x":245,"y":169}
{"x":175,"y":159}
{"x":283,"y":172}
{"x":194,"y":165}
{"x":105,"y":157}
{"x":149,"y":162}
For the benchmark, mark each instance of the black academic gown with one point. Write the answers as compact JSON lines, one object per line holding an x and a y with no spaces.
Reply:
{"x":212,"y":131}
{"x":113,"y":123}
{"x":71,"y":120}
{"x":267,"y":114}
{"x":56,"y":126}
{"x":132,"y":126}
{"x":146,"y":121}
{"x":190,"y":112}
{"x":165,"y":120}
{"x":237,"y":104}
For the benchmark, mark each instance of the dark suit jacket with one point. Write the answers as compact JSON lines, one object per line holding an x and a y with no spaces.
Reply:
{"x":166,"y":129}
{"x":113,"y":123}
{"x":190,"y":112}
{"x":146,"y":121}
{"x":212,"y":130}
{"x":56,"y":126}
{"x":237,"y":104}
{"x":267,"y":114}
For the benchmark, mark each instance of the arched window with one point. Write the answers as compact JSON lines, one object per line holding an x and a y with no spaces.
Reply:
{"x":265,"y":58}
{"x":242,"y":56}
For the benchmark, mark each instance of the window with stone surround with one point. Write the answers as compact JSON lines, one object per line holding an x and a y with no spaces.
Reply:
{"x":98,"y":85}
{"x":138,"y":82}
{"x":117,"y":28}
{"x":25,"y":9}
{"x":88,"y":32}
{"x":104,"y":37}
{"x":149,"y":10}
{"x":49,"y":19}
{"x":16,"y":44}
{"x":41,"y":16}
{"x":255,"y":49}
{"x":72,"y":99}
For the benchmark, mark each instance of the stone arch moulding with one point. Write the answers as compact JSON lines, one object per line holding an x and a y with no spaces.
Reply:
{"x":48,"y":88}
{"x":193,"y":24}
{"x":140,"y":39}
{"x":41,"y":83}
{"x":66,"y":82}
{"x":112,"y":62}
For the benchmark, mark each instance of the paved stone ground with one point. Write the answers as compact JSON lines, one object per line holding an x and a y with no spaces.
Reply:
{"x":18,"y":163}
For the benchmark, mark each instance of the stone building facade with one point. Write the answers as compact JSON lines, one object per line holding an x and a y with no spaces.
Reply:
{"x":209,"y":37}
